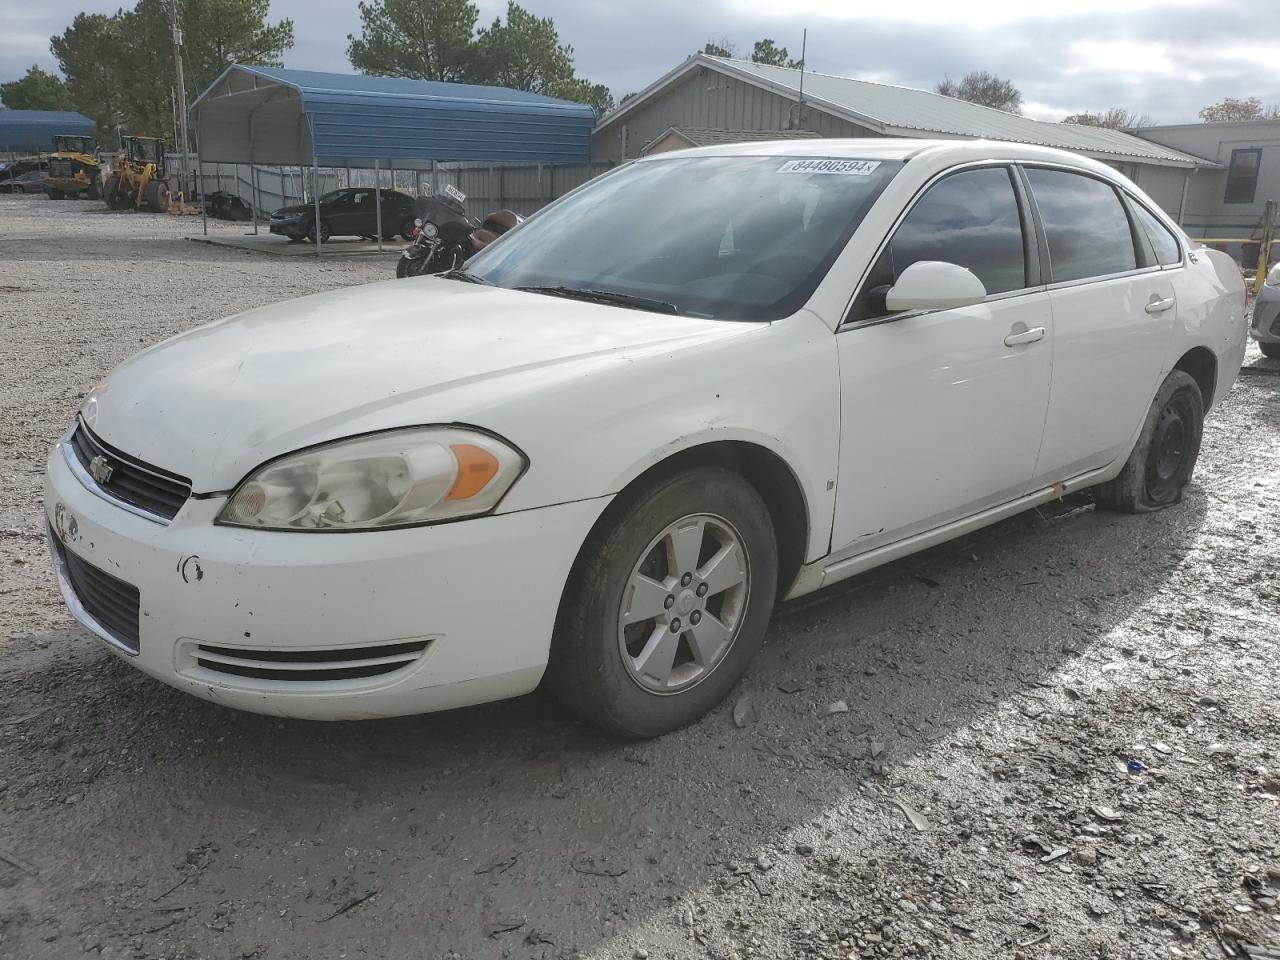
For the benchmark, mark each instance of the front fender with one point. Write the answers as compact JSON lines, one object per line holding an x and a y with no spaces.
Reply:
{"x":776,"y":387}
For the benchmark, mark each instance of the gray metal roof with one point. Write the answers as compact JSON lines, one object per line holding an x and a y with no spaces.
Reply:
{"x":709,"y":137}
{"x":32,"y":131}
{"x":906,"y":112}
{"x":273,"y":115}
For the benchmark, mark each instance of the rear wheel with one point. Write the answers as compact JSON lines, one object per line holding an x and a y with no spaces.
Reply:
{"x":666,"y":605}
{"x":55,"y":194}
{"x":1270,"y":349}
{"x":1158,"y":470}
{"x":111,"y":192}
{"x":156,"y":196}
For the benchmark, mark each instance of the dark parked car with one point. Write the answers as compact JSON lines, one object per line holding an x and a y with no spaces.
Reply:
{"x":23,"y":176}
{"x":352,"y":212}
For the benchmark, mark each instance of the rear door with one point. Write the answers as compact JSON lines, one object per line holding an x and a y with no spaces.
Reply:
{"x":942,"y":411}
{"x":1113,"y":308}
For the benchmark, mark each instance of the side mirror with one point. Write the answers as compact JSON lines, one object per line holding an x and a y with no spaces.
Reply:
{"x":935,"y":285}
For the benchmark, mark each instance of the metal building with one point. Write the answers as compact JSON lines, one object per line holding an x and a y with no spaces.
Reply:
{"x":1227,"y":198}
{"x":32,"y":131}
{"x":714,"y":92}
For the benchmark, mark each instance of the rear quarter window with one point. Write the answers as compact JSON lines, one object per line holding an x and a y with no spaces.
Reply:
{"x":1163,"y":242}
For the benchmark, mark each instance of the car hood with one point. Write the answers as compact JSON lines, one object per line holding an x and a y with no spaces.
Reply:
{"x":216,"y":402}
{"x":293,"y":211}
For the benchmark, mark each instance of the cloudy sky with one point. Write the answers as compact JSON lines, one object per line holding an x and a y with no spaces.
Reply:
{"x":1166,"y":59}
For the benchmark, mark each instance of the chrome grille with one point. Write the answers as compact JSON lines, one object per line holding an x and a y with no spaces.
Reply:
{"x":150,"y":489}
{"x":303,"y":666}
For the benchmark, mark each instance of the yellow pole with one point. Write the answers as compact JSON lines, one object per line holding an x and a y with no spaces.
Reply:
{"x":1264,"y":249}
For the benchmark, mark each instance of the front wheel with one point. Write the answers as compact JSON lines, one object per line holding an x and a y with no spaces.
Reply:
{"x":156,"y":196}
{"x":411,"y":267}
{"x":324,"y":232}
{"x":1158,"y":470}
{"x":666,"y":604}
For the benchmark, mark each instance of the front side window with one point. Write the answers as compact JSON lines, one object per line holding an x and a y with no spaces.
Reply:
{"x":731,"y":238}
{"x":1085,"y":224}
{"x":1242,"y":175}
{"x":970,"y":218}
{"x":1163,"y":242}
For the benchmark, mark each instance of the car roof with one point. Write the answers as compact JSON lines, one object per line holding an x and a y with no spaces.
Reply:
{"x":940,"y":152}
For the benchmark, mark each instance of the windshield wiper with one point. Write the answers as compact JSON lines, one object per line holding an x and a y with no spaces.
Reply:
{"x":605,"y":296}
{"x":457,"y":274}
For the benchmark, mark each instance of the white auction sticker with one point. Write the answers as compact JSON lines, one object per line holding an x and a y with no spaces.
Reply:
{"x":853,"y":168}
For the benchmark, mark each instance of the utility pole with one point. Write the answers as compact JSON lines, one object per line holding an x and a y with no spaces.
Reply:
{"x":183,"y":144}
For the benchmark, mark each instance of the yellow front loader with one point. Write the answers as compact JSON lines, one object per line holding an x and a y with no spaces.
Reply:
{"x":139,"y":180}
{"x":75,"y":169}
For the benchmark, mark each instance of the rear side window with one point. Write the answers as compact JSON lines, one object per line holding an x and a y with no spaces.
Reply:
{"x":970,"y":218}
{"x":1162,"y":241}
{"x":1084,"y":223}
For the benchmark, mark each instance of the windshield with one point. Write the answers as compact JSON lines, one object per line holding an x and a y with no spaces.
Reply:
{"x":332,"y":195}
{"x":734,"y":238}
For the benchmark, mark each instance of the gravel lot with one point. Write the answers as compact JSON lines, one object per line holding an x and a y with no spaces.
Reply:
{"x":996,"y":688}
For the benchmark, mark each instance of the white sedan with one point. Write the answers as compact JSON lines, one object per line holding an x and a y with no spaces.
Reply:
{"x":598,"y":454}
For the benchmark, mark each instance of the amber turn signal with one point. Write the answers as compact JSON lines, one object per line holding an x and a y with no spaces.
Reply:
{"x":476,"y":467}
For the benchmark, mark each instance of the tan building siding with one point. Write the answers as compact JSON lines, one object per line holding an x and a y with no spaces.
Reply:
{"x":1207,"y":213}
{"x":708,"y":99}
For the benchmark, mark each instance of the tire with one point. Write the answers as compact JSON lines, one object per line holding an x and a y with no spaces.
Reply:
{"x":156,"y":196}
{"x":324,"y":231}
{"x":411,"y":267}
{"x":55,"y":194}
{"x":611,"y":674}
{"x":94,"y":190}
{"x":1270,"y":350}
{"x":110,"y":191}
{"x":1158,"y":470}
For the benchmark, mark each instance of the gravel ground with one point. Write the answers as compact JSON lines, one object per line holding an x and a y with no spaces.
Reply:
{"x":974,"y":798}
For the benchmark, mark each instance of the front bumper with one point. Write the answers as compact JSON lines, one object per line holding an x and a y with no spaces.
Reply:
{"x":477,"y":599}
{"x":288,"y":228}
{"x":1266,"y":315}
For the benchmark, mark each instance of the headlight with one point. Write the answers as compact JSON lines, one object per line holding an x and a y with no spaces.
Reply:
{"x":430,"y":230}
{"x":393,"y":479}
{"x":1273,"y":277}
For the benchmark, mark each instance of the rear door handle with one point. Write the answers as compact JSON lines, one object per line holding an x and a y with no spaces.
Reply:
{"x":1159,"y":305}
{"x":1024,"y":336}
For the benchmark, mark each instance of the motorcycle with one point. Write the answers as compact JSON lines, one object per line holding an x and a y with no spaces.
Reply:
{"x":444,"y":238}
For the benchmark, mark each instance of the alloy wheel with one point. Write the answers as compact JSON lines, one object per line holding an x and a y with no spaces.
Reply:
{"x":683,"y":604}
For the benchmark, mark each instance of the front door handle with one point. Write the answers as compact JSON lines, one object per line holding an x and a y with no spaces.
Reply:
{"x":1024,"y":336}
{"x":1159,"y":305}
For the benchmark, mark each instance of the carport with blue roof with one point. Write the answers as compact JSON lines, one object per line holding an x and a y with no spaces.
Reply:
{"x":276,"y":116}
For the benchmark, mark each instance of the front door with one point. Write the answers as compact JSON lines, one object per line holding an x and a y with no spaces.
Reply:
{"x":942,"y":412}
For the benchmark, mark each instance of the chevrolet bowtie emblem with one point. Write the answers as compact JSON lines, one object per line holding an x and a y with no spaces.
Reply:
{"x":100,"y":469}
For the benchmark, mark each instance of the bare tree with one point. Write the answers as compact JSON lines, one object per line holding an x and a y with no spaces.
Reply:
{"x":1231,"y":108}
{"x":1115,"y":118}
{"x":985,"y":88}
